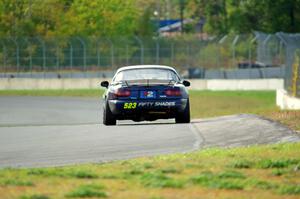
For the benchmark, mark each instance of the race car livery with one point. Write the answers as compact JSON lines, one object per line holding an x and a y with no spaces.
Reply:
{"x":146,"y":92}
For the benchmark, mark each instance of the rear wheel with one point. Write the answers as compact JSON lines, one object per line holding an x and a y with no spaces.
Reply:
{"x":108,"y":118}
{"x":184,"y":117}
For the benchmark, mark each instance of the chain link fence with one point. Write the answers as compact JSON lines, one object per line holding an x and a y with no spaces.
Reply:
{"x":35,"y":54}
{"x":256,"y":55}
{"x":291,"y":43}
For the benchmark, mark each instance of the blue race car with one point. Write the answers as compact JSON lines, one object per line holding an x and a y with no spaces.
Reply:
{"x":146,"y":92}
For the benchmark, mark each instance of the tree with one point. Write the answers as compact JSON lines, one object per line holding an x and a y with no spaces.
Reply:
{"x":29,"y":17}
{"x":100,"y":18}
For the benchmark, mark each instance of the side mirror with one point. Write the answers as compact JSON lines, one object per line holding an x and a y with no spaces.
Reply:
{"x":186,"y":83}
{"x":104,"y":84}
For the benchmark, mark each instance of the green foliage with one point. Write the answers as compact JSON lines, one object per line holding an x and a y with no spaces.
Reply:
{"x":171,"y":170}
{"x":279,"y":172}
{"x":134,"y":171}
{"x":145,"y":26}
{"x":100,"y":18}
{"x":88,"y":191}
{"x":67,"y":18}
{"x":148,"y":165}
{"x":231,"y":174}
{"x":160,"y":180}
{"x":30,"y":18}
{"x":119,"y":17}
{"x":66,"y":173}
{"x":240,"y":16}
{"x":241,"y":164}
{"x":290,"y":189}
{"x":34,"y":196}
{"x":226,"y":180}
{"x":266,"y":164}
{"x":15,"y":182}
{"x":263,"y":184}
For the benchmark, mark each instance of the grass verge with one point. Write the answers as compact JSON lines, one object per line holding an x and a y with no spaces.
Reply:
{"x":247,"y":172}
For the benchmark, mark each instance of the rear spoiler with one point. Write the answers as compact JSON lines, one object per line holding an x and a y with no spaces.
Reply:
{"x":148,"y":82}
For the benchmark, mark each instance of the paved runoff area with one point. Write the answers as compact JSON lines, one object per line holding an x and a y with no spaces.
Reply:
{"x":54,"y":131}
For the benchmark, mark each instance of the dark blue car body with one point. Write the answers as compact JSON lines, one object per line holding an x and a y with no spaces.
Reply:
{"x":147,"y":99}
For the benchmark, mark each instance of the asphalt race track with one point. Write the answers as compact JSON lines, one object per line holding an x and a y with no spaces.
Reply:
{"x":52,"y":131}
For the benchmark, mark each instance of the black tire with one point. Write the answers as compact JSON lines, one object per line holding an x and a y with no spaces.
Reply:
{"x":184,"y":117}
{"x":108,"y":118}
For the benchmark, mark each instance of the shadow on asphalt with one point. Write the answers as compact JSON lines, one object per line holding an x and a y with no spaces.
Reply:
{"x":144,"y":123}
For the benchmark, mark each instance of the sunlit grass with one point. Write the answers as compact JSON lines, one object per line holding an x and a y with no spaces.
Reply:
{"x":270,"y":171}
{"x":53,"y":92}
{"x":217,"y":103}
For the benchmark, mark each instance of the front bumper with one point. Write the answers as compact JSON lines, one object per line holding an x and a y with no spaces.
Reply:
{"x":119,"y":107}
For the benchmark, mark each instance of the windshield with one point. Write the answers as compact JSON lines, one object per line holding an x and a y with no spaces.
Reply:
{"x":146,"y":73}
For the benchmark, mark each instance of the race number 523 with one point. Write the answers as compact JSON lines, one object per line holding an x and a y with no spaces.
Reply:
{"x":130,"y":105}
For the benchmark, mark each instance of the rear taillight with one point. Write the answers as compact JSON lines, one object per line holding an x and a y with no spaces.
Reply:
{"x":173,"y":92}
{"x":122,"y":93}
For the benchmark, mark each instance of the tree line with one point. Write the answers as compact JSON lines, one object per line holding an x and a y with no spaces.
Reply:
{"x":109,"y":18}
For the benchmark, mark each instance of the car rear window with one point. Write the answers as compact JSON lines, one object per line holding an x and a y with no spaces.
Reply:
{"x":146,"y":73}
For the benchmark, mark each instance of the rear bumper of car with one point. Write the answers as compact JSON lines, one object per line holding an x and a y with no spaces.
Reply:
{"x":145,"y":107}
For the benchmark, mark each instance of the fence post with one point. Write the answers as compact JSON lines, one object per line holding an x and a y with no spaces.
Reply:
{"x":233,"y":49}
{"x":157,"y":51}
{"x":84,"y":52}
{"x":111,"y":51}
{"x":98,"y":52}
{"x":4,"y":57}
{"x":17,"y":54}
{"x":286,"y":54}
{"x":127,"y":55}
{"x":30,"y":56}
{"x":250,"y":50}
{"x":264,"y":47}
{"x":172,"y":53}
{"x":188,"y":61}
{"x":44,"y":53}
{"x":142,"y":48}
{"x":71,"y":55}
{"x":57,"y":56}
{"x":280,"y":52}
{"x":220,"y":42}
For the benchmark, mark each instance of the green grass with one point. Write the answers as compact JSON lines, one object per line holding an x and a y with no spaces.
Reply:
{"x":15,"y":182}
{"x":52,"y":92}
{"x":282,"y":163}
{"x":241,"y":164}
{"x":157,"y":179}
{"x":270,"y":171}
{"x":217,"y":103}
{"x":34,"y":196}
{"x":224,"y":180}
{"x":88,"y":191}
{"x":290,"y":189}
{"x":66,"y":173}
{"x":265,"y":163}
